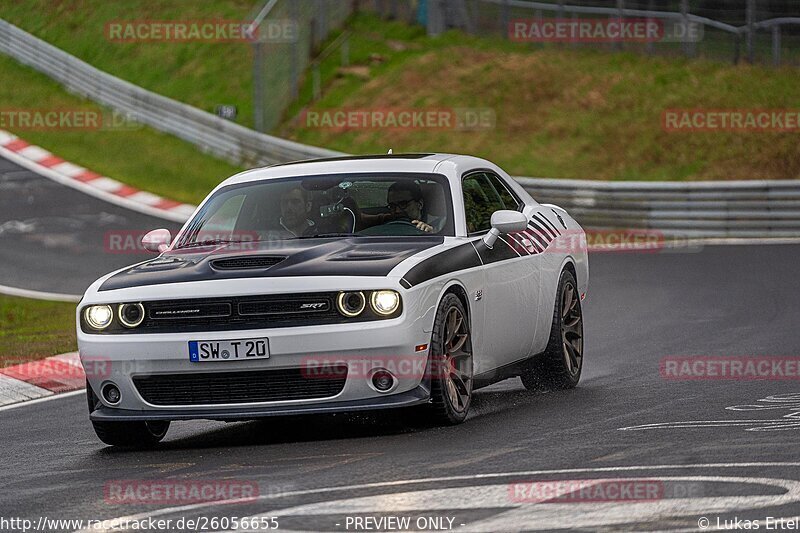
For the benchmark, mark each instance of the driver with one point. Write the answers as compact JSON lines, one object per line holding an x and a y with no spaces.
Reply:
{"x":295,"y":209}
{"x":404,"y":200}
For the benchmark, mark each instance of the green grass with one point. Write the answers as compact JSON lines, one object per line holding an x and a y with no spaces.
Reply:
{"x":138,"y":156}
{"x":33,"y":329}
{"x":560,"y":112}
{"x":203,"y":74}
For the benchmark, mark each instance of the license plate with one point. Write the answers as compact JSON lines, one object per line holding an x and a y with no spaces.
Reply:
{"x":235,"y":350}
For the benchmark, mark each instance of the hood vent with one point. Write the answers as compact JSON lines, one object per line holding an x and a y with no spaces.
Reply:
{"x":359,"y":255}
{"x":246,"y":262}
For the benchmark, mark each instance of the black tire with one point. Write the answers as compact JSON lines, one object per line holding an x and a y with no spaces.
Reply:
{"x":135,"y":434}
{"x":450,"y":362}
{"x":559,"y":366}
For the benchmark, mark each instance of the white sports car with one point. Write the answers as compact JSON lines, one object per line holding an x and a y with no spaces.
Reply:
{"x":337,"y":285}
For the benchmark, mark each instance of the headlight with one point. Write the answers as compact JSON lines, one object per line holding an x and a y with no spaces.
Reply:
{"x":131,"y":315}
{"x":98,"y":316}
{"x":351,"y":304}
{"x":384,"y":302}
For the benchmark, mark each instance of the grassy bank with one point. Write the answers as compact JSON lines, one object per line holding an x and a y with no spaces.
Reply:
{"x":33,"y":329}
{"x":136,"y":155}
{"x":560,"y":112}
{"x":203,"y":74}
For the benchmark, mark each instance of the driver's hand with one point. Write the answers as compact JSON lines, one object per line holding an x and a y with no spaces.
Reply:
{"x":422,"y":226}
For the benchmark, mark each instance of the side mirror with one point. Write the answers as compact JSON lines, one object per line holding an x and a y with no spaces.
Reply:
{"x":157,"y":240}
{"x":504,"y":221}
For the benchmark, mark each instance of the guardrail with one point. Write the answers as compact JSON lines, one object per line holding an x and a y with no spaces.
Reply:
{"x":493,"y":16}
{"x":210,"y":133}
{"x":691,"y":209}
{"x":701,"y":209}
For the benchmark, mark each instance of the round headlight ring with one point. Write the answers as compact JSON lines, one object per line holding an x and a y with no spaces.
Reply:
{"x":343,"y":302}
{"x":98,"y":317}
{"x":128,"y":323}
{"x":384,"y":302}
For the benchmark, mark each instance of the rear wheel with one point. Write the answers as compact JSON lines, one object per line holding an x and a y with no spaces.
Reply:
{"x":135,"y":434}
{"x":559,"y":367}
{"x":450,"y":363}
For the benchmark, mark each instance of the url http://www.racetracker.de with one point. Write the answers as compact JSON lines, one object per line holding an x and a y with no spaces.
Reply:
{"x":202,"y":523}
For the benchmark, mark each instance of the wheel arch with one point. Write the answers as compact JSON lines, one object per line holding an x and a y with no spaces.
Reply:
{"x":569,"y":265}
{"x":550,"y":293}
{"x":455,"y":287}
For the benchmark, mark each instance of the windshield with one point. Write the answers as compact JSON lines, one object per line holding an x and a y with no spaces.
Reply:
{"x":326,"y":206}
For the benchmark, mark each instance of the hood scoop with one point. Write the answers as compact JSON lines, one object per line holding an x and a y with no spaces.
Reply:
{"x":248,"y":262}
{"x":363,"y":255}
{"x":161,"y":264}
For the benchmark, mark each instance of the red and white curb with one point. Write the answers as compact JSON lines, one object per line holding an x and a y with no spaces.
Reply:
{"x":42,"y":162}
{"x":39,"y":379}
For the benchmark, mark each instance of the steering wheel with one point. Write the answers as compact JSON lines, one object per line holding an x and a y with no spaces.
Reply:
{"x":405,"y":221}
{"x":393,"y":228}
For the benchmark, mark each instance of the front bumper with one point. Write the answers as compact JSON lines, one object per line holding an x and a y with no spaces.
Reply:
{"x":417,"y":396}
{"x":365,"y":346}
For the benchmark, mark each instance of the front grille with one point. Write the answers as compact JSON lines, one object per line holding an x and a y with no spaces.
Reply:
{"x":283,"y":307}
{"x":187,"y":311}
{"x":239,"y":387}
{"x":237,"y":313}
{"x":246,"y":262}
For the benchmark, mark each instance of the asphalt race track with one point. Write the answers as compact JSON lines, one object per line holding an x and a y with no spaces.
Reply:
{"x":57,"y":239}
{"x":716,"y":450}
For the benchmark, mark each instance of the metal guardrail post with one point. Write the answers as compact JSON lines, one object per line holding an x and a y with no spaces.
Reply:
{"x":574,"y":20}
{"x":776,"y":45}
{"x":621,"y":10}
{"x":685,"y":21}
{"x":436,"y":17}
{"x":505,"y":19}
{"x":323,"y":20}
{"x":294,"y":58}
{"x":650,"y":46}
{"x":751,"y":19}
{"x":258,"y":85}
{"x":686,"y":45}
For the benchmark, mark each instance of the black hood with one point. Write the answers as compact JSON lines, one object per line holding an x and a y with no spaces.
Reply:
{"x":362,"y":256}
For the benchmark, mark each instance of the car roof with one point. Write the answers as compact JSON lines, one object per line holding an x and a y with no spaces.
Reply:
{"x":412,"y":162}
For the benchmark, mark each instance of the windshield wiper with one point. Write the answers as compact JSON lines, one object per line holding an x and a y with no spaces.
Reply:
{"x":199,"y":244}
{"x":327,"y":235}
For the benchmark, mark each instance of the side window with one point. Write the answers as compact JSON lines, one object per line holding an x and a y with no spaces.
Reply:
{"x":481,"y":199}
{"x":502,"y":190}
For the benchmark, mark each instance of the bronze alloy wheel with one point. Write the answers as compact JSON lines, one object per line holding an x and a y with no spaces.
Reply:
{"x":571,"y":328}
{"x":457,"y":365}
{"x":450,"y":363}
{"x":561,"y":363}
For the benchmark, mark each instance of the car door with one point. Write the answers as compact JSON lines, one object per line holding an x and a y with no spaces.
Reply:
{"x":511,"y":296}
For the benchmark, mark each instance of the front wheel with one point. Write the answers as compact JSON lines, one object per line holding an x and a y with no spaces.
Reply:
{"x":135,"y":434}
{"x":450,"y":363}
{"x":559,"y":367}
